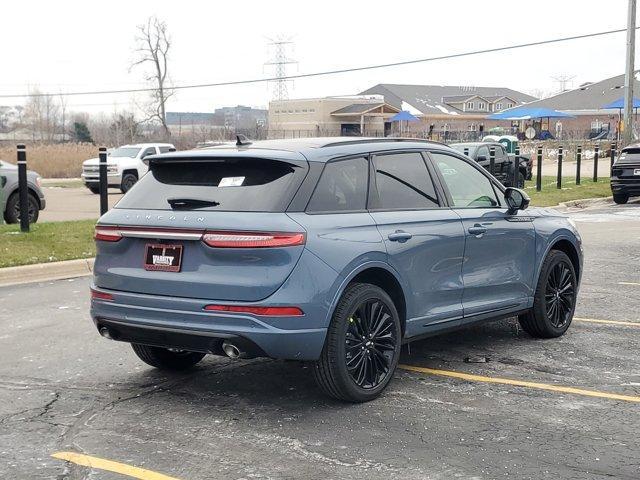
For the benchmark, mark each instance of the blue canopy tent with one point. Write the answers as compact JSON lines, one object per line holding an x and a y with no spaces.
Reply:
{"x":528,"y":113}
{"x":404,"y":116}
{"x":531,"y":113}
{"x":620,"y":103}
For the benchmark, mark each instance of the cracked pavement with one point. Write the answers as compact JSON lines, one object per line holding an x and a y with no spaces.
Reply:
{"x":63,"y":387}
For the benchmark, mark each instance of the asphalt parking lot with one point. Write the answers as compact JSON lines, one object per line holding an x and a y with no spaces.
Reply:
{"x":485,"y":403}
{"x":73,"y":203}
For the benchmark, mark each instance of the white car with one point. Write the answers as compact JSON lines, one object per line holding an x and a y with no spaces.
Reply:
{"x":124,"y":166}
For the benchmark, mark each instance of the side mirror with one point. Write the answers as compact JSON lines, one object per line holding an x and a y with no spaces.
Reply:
{"x":516,"y":199}
{"x":481,"y":158}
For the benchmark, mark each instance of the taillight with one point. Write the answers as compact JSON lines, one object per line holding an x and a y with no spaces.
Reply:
{"x":263,"y":311}
{"x":252,"y":240}
{"x":96,"y":295}
{"x":107,"y":234}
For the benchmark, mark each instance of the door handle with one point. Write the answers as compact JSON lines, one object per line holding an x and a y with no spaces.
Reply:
{"x":477,"y":229}
{"x":399,"y":236}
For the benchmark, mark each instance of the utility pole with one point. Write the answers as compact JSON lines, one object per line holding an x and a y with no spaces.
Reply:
{"x":629,"y":77}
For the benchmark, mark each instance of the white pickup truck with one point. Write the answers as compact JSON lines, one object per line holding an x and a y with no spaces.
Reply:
{"x":124,"y":166}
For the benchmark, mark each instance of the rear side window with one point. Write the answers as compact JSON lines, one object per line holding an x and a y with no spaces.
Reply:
{"x":225,"y":184}
{"x":403,"y":183}
{"x":342,"y":187}
{"x":164,"y":149}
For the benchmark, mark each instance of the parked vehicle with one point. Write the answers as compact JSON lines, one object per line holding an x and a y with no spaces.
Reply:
{"x":327,"y":250}
{"x":10,"y":196}
{"x":503,"y":165}
{"x":625,"y":174}
{"x":125,"y":166}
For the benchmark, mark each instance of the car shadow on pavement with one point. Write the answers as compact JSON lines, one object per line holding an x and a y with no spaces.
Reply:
{"x":289,"y":385}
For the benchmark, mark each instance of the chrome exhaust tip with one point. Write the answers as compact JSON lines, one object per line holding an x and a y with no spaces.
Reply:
{"x":230,"y":350}
{"x":106,"y":333}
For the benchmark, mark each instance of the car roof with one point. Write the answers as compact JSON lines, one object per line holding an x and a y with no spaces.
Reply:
{"x":142,"y":145}
{"x":315,"y":149}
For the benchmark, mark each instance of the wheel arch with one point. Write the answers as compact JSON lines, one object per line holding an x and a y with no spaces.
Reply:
{"x":30,"y":189}
{"x":567,"y":246}
{"x":383,"y":276}
{"x":133,"y":171}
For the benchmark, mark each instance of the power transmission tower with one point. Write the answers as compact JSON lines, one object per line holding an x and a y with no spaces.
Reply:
{"x":279,"y":61}
{"x":629,"y":78}
{"x":563,"y":80}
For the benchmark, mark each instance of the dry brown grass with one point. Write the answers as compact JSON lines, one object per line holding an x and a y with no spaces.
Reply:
{"x":53,"y":160}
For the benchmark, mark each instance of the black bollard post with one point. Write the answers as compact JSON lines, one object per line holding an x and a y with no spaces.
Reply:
{"x":613,"y":153}
{"x":516,"y":167}
{"x":539,"y":170}
{"x":559,"y":178}
{"x":596,"y":153}
{"x":104,"y":194}
{"x":578,"y":162}
{"x":23,"y":188}
{"x":492,"y":159}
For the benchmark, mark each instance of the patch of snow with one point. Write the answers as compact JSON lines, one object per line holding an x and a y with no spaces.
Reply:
{"x":410,"y":108}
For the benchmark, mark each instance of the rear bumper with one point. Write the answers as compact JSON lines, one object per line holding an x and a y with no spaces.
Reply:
{"x":182,"y":323}
{"x":628,"y":187}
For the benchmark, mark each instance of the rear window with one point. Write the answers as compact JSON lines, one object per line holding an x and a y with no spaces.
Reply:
{"x":630,"y":155}
{"x":231,"y":184}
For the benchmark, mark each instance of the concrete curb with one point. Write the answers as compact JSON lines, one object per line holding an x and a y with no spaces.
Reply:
{"x":586,"y":202}
{"x":43,"y":272}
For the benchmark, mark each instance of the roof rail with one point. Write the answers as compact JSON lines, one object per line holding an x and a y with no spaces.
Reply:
{"x":379,"y":140}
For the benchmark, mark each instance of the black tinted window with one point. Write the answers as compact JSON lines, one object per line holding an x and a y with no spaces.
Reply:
{"x":629,"y":155}
{"x":342,"y":187}
{"x":403,"y":182}
{"x":230,"y":184}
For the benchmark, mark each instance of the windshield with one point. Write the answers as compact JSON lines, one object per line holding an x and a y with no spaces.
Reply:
{"x":629,"y":155}
{"x":131,"y":152}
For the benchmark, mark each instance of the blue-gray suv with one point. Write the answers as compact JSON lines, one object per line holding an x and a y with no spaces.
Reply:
{"x":329,"y":250}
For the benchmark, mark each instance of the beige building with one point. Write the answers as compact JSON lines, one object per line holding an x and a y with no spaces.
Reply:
{"x":330,"y":116}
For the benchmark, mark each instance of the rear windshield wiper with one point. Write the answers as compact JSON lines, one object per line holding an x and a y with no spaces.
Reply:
{"x":184,"y":203}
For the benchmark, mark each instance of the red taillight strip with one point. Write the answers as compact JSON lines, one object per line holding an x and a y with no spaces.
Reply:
{"x":260,"y":311}
{"x":252,"y":239}
{"x":107,"y":234}
{"x":96,"y":295}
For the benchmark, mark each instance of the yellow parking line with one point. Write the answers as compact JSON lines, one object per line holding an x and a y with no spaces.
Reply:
{"x":110,"y":466}
{"x":519,"y":383}
{"x":609,"y":322}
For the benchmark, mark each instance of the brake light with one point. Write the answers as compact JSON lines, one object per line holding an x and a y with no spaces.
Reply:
{"x":107,"y":234}
{"x":262,"y":311}
{"x":96,"y":295}
{"x":252,"y":240}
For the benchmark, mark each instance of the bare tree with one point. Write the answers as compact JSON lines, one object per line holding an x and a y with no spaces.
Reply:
{"x":153,"y":48}
{"x":41,"y":115}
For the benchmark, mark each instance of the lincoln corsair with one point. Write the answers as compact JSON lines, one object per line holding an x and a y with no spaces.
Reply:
{"x":328,"y":250}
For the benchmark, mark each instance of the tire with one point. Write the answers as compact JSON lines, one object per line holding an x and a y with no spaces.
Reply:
{"x":166,"y":359}
{"x":12,"y":212}
{"x":94,"y":190}
{"x":620,"y":198}
{"x":361,"y":309}
{"x":128,"y":181}
{"x":544,"y":320}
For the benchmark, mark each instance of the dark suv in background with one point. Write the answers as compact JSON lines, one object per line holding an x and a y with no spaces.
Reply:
{"x":625,"y":174}
{"x":326,"y":250}
{"x":504,"y":162}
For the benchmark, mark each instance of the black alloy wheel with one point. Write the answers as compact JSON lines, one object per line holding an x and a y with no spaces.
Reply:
{"x":362,"y":346}
{"x":555,"y":298}
{"x":560,"y":295}
{"x":370,"y":343}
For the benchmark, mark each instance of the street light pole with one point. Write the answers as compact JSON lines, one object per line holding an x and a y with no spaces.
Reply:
{"x":629,"y":73}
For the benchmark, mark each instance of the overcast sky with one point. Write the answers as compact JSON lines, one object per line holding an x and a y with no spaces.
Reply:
{"x":86,"y":45}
